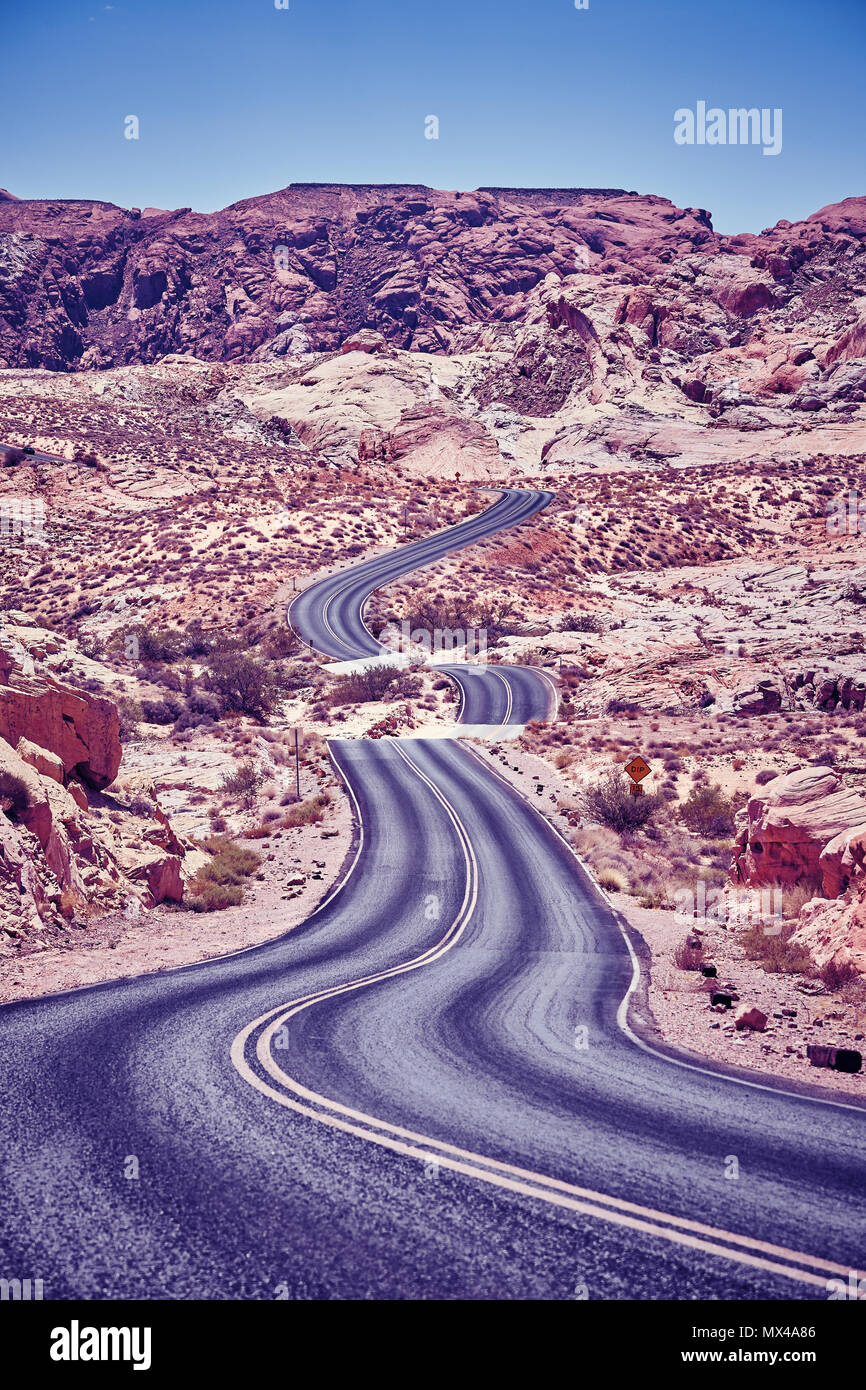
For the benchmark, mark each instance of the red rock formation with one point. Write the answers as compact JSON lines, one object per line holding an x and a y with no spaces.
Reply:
{"x":46,"y":764}
{"x":88,"y":284}
{"x":82,"y":730}
{"x":784,"y":834}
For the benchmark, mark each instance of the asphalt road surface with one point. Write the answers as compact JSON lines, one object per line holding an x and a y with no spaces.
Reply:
{"x":329,"y":615}
{"x":429,"y":1090}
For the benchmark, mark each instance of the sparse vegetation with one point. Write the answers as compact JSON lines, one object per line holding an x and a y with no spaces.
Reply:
{"x":14,"y":795}
{"x":687,"y":957}
{"x":774,"y":950}
{"x":708,"y":811}
{"x":243,"y":784}
{"x":244,"y":684}
{"x":308,"y":812}
{"x":375,"y":683}
{"x":220,"y":883}
{"x":611,"y":802}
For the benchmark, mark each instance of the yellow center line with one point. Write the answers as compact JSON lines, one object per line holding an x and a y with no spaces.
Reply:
{"x":680,"y":1230}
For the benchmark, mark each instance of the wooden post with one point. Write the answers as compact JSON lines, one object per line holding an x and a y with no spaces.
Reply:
{"x":297,"y":767}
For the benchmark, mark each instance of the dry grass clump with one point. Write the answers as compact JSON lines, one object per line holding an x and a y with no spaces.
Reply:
{"x":613,"y":879}
{"x":308,"y":812}
{"x":220,"y":883}
{"x":774,"y":951}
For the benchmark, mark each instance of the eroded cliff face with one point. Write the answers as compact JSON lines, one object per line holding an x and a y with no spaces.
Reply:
{"x":86,"y":284}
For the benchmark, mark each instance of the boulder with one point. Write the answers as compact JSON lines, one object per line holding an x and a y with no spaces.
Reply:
{"x":762,"y":693}
{"x":366,"y":340}
{"x":841,"y":859}
{"x":46,"y":764}
{"x":160,"y":872}
{"x":833,"y":930}
{"x":751,"y":1018}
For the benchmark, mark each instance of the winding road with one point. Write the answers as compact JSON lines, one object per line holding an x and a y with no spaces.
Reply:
{"x":442,"y":1085}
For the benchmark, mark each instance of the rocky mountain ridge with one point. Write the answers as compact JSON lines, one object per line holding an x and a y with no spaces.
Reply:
{"x":88,"y":284}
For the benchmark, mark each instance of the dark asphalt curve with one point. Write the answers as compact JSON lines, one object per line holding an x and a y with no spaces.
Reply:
{"x":139,"y":1160}
{"x":500,"y":695}
{"x":428,"y":1090}
{"x":329,"y":615}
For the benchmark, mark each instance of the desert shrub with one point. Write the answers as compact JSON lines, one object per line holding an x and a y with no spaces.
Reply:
{"x":92,"y":645}
{"x":373,"y":684}
{"x":231,"y":862}
{"x":162,"y":675}
{"x":202,"y":707}
{"x":243,"y":783}
{"x":306,"y":812}
{"x":244,"y":684}
{"x":765,"y":775}
{"x":655,"y":894}
{"x":617,"y":706}
{"x":280,"y":643}
{"x":708,"y":811}
{"x":581,"y":622}
{"x":161,"y":711}
{"x":11,"y":457}
{"x":220,"y":883}
{"x":774,"y":951}
{"x":129,"y":712}
{"x":688,"y":957}
{"x":213,"y":897}
{"x":140,"y":806}
{"x":156,"y":643}
{"x":14,"y":795}
{"x":795,"y":895}
{"x":433,"y":614}
{"x":86,"y":456}
{"x":611,"y":802}
{"x":196,"y":642}
{"x":835,"y":973}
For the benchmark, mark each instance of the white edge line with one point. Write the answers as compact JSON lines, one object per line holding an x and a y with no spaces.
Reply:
{"x":623,"y":1010}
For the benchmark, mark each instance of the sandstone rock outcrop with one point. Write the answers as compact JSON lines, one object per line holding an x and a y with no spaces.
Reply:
{"x":835,"y":930}
{"x":46,"y":764}
{"x":319,"y":267}
{"x":66,"y":856}
{"x":79,"y":729}
{"x":783,"y":835}
{"x":60,"y":859}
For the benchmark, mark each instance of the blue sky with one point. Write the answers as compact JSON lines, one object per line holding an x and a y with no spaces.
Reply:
{"x":237,"y":97}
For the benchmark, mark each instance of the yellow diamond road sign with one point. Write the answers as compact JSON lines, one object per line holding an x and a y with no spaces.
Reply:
{"x":637,"y":769}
